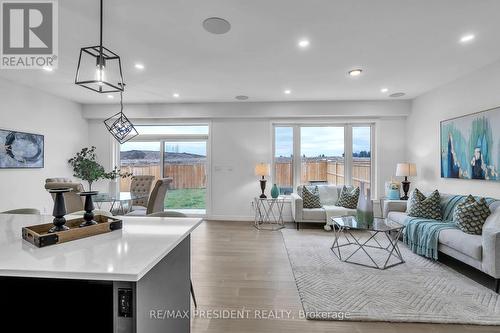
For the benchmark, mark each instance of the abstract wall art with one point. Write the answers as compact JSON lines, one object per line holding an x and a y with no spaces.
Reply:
{"x":470,"y":146}
{"x":21,"y":150}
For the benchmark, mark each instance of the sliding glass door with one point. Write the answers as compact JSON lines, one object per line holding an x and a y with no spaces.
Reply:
{"x":186,"y":163}
{"x":176,"y":151}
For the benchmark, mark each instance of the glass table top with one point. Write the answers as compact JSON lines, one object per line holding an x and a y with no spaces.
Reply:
{"x":122,"y":196}
{"x":379,"y":224}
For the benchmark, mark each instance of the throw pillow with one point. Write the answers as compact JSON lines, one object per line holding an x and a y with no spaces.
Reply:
{"x":348,"y":197}
{"x":470,"y":215}
{"x":311,"y":198}
{"x":425,"y":207}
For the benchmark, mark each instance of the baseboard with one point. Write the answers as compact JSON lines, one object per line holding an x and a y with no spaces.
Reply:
{"x":230,"y":218}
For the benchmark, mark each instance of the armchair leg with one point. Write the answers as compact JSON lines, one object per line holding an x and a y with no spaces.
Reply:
{"x":497,"y":285}
{"x":298,"y":225}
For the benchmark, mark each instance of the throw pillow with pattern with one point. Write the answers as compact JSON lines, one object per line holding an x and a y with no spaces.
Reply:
{"x":348,"y":197}
{"x":470,"y":215}
{"x":425,"y":207}
{"x":311,"y":198}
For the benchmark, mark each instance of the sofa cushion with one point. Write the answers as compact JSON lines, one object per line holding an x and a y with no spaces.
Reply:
{"x":328,"y":194}
{"x":311,"y":197}
{"x":425,"y":207}
{"x":470,"y":215}
{"x":349,"y":197}
{"x":316,"y":214}
{"x":398,"y":217}
{"x":336,"y":211}
{"x":470,"y":245}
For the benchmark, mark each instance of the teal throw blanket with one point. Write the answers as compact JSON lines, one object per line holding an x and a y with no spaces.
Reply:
{"x":421,"y":235}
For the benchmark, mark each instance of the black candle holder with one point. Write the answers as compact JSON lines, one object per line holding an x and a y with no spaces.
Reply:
{"x":59,"y":209}
{"x":88,"y":216}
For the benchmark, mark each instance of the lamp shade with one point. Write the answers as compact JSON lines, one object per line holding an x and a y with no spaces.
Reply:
{"x":262,"y":169}
{"x":406,"y":170}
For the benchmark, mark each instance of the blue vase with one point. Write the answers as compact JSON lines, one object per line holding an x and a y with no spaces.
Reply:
{"x":275,"y":192}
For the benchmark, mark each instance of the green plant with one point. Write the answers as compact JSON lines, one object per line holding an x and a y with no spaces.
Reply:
{"x":86,"y":167}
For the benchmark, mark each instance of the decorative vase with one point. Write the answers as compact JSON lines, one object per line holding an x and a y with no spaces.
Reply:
{"x":88,"y":216}
{"x":59,"y":209}
{"x":364,"y":211}
{"x":275,"y":192}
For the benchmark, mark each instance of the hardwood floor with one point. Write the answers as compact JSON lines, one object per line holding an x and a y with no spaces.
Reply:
{"x":236,"y":267}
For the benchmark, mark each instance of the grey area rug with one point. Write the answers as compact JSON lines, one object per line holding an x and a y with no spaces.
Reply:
{"x":420,"y":290}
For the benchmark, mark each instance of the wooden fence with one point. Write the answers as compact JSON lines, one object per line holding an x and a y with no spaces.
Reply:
{"x":194,"y":175}
{"x":184,"y":175}
{"x":324,"y":171}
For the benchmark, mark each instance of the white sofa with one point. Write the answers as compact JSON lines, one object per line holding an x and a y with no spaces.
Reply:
{"x":329,"y":195}
{"x":479,"y":251}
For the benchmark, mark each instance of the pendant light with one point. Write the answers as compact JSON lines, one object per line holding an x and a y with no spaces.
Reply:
{"x":99,"y":69}
{"x":119,"y":126}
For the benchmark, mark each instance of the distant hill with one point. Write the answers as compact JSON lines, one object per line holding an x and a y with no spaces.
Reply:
{"x":148,"y":157}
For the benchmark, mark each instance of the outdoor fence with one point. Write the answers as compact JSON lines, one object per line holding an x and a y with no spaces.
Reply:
{"x":193,"y":175}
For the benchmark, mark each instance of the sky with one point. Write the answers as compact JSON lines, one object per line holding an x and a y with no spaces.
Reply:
{"x":316,"y":141}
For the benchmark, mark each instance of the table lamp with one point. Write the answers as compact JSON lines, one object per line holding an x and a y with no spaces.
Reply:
{"x":262,"y":169}
{"x":406,"y":170}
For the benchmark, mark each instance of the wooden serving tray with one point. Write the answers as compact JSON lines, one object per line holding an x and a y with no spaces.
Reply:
{"x":39,"y":235}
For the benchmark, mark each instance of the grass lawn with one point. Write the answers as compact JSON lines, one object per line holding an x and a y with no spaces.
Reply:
{"x":186,"y":198}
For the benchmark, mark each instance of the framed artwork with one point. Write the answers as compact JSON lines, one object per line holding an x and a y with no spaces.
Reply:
{"x":19,"y":150}
{"x":470,"y":146}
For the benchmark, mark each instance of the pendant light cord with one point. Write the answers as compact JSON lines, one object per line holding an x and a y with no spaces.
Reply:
{"x":100,"y":41}
{"x":121,"y":101}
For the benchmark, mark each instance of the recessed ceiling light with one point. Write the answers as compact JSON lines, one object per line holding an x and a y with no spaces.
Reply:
{"x":175,"y":95}
{"x":398,"y":94}
{"x":216,"y":25}
{"x":384,"y":90}
{"x":47,"y":68}
{"x":241,"y":97}
{"x":303,"y":43}
{"x":287,"y":92}
{"x":355,"y":72}
{"x":111,"y":96}
{"x":467,"y":38}
{"x":139,"y":66}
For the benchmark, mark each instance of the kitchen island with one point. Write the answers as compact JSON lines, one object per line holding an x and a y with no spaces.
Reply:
{"x":112,"y":282}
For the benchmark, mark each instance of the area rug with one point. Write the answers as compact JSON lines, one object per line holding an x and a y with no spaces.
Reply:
{"x":419,"y":290}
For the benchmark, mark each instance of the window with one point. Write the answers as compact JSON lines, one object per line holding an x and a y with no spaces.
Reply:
{"x":173,"y":151}
{"x":283,"y":159}
{"x":361,"y":156}
{"x":322,"y":154}
{"x":186,"y":163}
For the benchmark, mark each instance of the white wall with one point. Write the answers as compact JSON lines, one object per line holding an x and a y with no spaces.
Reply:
{"x":474,"y":92}
{"x":241,"y":136}
{"x":65,"y":130}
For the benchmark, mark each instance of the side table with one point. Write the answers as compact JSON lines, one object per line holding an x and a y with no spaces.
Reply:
{"x":269,"y":213}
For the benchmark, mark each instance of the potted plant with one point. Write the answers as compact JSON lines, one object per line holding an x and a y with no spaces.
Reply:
{"x":86,"y":167}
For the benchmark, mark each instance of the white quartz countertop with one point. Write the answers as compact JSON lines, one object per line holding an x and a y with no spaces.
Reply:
{"x":121,"y":255}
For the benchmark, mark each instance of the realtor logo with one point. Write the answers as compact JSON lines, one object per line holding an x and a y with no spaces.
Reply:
{"x":29,"y":35}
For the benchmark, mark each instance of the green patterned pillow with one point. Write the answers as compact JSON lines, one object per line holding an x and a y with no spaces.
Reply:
{"x":310,"y":198}
{"x":427,"y":208}
{"x":348,"y":197}
{"x":470,"y":215}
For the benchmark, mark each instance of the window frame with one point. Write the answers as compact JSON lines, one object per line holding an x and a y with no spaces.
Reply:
{"x":348,"y":150}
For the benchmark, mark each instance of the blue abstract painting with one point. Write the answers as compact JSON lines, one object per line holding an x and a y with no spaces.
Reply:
{"x":21,"y":150}
{"x":470,"y":146}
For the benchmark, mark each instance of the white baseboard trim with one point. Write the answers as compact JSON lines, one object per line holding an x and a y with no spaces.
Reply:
{"x":230,"y":218}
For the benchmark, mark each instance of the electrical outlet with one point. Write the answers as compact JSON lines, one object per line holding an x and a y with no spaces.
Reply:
{"x":124,"y":302}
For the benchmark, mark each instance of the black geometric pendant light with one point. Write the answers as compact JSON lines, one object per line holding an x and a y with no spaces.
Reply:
{"x":99,"y":69}
{"x":119,"y":126}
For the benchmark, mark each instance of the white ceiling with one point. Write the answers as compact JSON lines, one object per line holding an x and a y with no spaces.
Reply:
{"x":405,"y":45}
